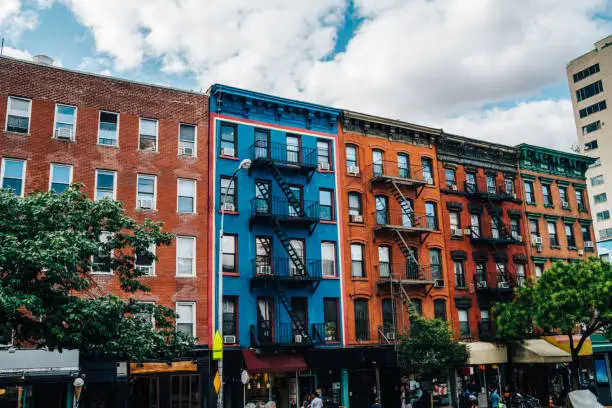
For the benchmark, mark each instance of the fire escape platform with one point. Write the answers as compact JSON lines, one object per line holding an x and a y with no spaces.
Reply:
{"x":407,"y":283}
{"x":409,"y":182}
{"x":404,"y":229}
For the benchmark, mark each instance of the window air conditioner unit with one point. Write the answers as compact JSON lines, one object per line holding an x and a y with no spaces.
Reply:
{"x":565,"y":205}
{"x":353,"y":170}
{"x":63,"y":133}
{"x":588,"y":244}
{"x":229,"y":339}
{"x":229,"y":207}
{"x":456,"y":232}
{"x":146,"y":204}
{"x":481,"y":284}
{"x":514,"y":196}
{"x":536,"y":240}
{"x":581,"y":252}
{"x":453,"y":187}
{"x":227,"y":151}
{"x":390,"y":336}
{"x":439,"y":283}
{"x":324,"y":166}
{"x":298,"y":338}
{"x":186,"y":151}
{"x":429,"y":180}
{"x":503,"y":285}
{"x":357,"y":218}
{"x":264,"y":270}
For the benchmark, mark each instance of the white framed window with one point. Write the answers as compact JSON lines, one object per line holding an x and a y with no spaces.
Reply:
{"x":357,"y":264}
{"x":328,"y":259}
{"x":106,"y":184}
{"x":185,"y":256}
{"x":101,"y":262}
{"x":147,"y":140}
{"x":60,"y":177}
{"x":187,"y":139}
{"x":65,"y":122}
{"x":145,"y":262}
{"x":146,"y":192}
{"x":18,"y":113}
{"x":108,"y":129}
{"x":13,"y":175}
{"x":185,"y":321}
{"x":186,"y":201}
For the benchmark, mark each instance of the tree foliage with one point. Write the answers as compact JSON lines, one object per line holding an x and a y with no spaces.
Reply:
{"x":429,"y":348}
{"x":567,"y":297}
{"x":48,"y":295}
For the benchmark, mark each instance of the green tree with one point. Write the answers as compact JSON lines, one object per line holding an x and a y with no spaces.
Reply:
{"x":567,"y":298}
{"x":48,"y":296}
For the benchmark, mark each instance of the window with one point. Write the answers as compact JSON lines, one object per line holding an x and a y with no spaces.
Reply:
{"x":296,"y":190}
{"x":108,"y":129}
{"x":470,"y":183}
{"x":586,"y":233}
{"x":65,"y":122}
{"x":326,"y":209}
{"x":230,"y":316}
{"x":605,"y":233}
{"x":569,"y":234}
{"x":475,"y":225}
{"x":591,"y":127}
{"x":388,"y":319}
{"x":546,"y":194}
{"x":265,"y":319}
{"x":357,"y":261}
{"x":589,"y":110}
{"x":362,"y":325}
{"x":185,"y":256}
{"x":432,"y":215}
{"x":491,"y":184}
{"x":145,"y":261}
{"x":351,"y":156}
{"x":330,"y":318}
{"x":603,"y":215}
{"x":563,"y":195}
{"x":187,"y":140}
{"x":377,"y":163}
{"x":384,"y":261}
{"x":293,"y":148}
{"x":440,"y":309}
{"x":106,"y":184}
{"x":382,"y":215}
{"x":18,"y":115}
{"x":529,"y":197}
{"x":101,"y":262}
{"x":552,"y":234}
{"x":480,"y":275}
{"x":539,"y":268}
{"x":435,"y":261}
{"x":580,"y":199}
{"x":500,"y":267}
{"x":228,"y":193}
{"x":515,"y":229}
{"x":148,"y":135}
{"x":589,"y":90}
{"x":146,"y":192}
{"x":464,"y":322}
{"x":450,"y":177}
{"x":600,"y":198}
{"x":354,"y":204}
{"x":590,"y":145}
{"x":403,"y":167}
{"x":13,"y":175}
{"x":597,"y":180}
{"x":263,"y":251}
{"x":459,"y":274}
{"x":61,"y":177}
{"x":427,"y":169}
{"x":298,"y":246}
{"x":186,"y":195}
{"x":185,"y":321}
{"x":455,"y":222}
{"x":184,"y":391}
{"x":596,"y":163}
{"x":328,"y":259}
{"x":593,"y":69}
{"x":228,"y":140}
{"x":521,"y":278}
{"x":145,"y":313}
{"x":509,"y":185}
{"x":323,"y":155}
{"x":229,"y":253}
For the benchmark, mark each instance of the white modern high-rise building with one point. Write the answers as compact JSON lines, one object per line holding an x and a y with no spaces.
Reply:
{"x":590,"y":82}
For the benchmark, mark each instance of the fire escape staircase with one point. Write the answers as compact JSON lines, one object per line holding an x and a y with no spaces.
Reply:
{"x":495,"y":214}
{"x":407,"y":209}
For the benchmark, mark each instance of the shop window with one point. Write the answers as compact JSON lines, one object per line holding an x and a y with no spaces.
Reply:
{"x":185,"y":391}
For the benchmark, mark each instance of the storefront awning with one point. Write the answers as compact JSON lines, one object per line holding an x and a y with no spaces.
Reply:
{"x":274,"y":362}
{"x":539,"y":351}
{"x":34,"y":362}
{"x":562,"y":341}
{"x":486,"y":353}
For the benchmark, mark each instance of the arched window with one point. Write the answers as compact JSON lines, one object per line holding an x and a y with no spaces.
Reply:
{"x":362,"y":320}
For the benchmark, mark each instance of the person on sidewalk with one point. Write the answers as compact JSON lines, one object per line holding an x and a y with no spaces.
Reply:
{"x":495,"y":398}
{"x":376,"y":403}
{"x":317,"y":402}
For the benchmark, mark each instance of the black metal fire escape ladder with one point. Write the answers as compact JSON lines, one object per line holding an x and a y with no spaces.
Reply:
{"x":495,"y":214}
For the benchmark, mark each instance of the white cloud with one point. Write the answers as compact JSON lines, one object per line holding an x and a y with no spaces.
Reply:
{"x":17,"y":53}
{"x":14,"y":20}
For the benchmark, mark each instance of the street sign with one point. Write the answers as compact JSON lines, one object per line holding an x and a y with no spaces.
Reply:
{"x":217,"y":346}
{"x":217,"y":383}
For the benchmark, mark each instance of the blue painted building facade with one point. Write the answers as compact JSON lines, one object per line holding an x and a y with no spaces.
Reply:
{"x":281,"y":250}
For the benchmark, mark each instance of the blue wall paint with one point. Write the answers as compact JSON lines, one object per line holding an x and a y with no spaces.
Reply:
{"x":269,"y":112}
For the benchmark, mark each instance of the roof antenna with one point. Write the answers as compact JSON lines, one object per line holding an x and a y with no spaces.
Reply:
{"x":2,"y":47}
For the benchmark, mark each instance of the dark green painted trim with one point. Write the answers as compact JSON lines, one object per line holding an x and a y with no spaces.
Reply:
{"x":546,"y":180}
{"x":539,"y":259}
{"x":528,"y":177}
{"x":549,"y":217}
{"x":568,"y":220}
{"x":585,"y":223}
{"x":563,"y":183}
{"x":579,"y":186}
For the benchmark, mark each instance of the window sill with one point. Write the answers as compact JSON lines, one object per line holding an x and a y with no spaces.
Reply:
{"x":146,"y":210}
{"x":147,"y":151}
{"x":17,"y":133}
{"x":583,"y":210}
{"x":101,"y":273}
{"x":148,"y":276}
{"x":63,"y":140}
{"x":325,"y":171}
{"x":234,"y":274}
{"x":353,"y":175}
{"x":231,"y":344}
{"x":549,"y":206}
{"x":456,"y":238}
{"x":186,"y":156}
{"x":221,"y":156}
{"x":356,"y":224}
{"x":188,"y":213}
{"x":531,"y":203}
{"x":327,"y":222}
{"x":572,"y":248}
{"x":186,"y":276}
{"x":331,"y":278}
{"x":461,"y":288}
{"x":358,"y":279}
{"x":329,"y":342}
{"x":225,"y":212}
{"x":555,"y":247}
{"x":105,"y":145}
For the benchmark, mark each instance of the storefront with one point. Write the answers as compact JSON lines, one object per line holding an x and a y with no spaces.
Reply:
{"x":602,"y":354}
{"x":484,"y":370}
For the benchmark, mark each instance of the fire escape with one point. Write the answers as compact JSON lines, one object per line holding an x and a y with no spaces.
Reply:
{"x":283,"y":273}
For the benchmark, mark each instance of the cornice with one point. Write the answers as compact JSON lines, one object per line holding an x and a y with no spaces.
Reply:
{"x":476,"y":153}
{"x":554,"y":162}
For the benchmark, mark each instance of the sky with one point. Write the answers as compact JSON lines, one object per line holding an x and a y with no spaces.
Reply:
{"x":488,"y":69}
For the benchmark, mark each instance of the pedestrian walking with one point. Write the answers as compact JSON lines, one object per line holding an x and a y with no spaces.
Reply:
{"x":376,"y":403}
{"x":495,"y":398}
{"x":317,"y":402}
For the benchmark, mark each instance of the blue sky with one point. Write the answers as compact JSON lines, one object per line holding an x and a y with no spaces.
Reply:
{"x":490,"y":69}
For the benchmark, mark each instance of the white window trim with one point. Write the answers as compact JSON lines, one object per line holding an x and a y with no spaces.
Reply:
{"x":118,"y":120}
{"x":193,"y":314}
{"x":114,"y":182}
{"x":74,"y":126}
{"x":193,"y":264}
{"x":195,"y":195}
{"x":154,"y":207}
{"x":94,"y":272}
{"x":140,"y":119}
{"x":60,"y":165}
{"x":195,"y":139}
{"x":153,"y":250}
{"x":8,"y":102}
{"x":25,"y":164}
